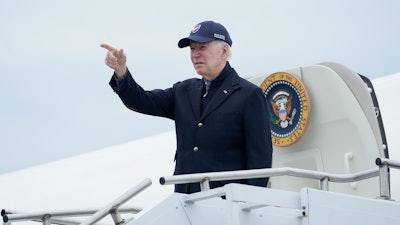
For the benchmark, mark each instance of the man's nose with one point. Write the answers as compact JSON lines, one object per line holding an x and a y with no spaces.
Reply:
{"x":195,"y":53}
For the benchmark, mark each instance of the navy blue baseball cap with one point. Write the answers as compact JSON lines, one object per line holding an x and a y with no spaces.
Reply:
{"x":205,"y":32}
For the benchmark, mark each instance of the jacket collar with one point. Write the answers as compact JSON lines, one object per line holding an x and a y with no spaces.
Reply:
{"x":230,"y":83}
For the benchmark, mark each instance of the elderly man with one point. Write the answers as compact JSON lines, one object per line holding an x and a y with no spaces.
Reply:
{"x":221,"y":120}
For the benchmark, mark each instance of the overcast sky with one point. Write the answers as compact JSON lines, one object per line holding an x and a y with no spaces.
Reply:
{"x":55,"y":101}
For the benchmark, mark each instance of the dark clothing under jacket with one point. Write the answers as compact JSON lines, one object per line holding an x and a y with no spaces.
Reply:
{"x":231,"y":133}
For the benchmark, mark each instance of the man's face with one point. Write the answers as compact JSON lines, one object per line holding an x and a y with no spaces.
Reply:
{"x":208,"y":58}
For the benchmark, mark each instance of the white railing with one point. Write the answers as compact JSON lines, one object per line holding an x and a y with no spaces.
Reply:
{"x":50,"y":217}
{"x":323,"y":177}
{"x":41,"y":216}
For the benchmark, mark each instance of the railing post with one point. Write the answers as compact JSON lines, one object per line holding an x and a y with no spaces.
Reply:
{"x":116,"y":216}
{"x":384,"y":177}
{"x":46,"y":219}
{"x":205,"y":184}
{"x":324,"y":184}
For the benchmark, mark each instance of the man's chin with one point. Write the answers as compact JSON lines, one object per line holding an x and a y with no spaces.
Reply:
{"x":199,"y":72}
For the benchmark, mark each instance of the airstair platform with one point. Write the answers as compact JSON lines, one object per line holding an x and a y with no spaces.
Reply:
{"x":243,"y":204}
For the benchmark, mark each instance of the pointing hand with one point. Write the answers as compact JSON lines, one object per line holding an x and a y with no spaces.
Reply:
{"x":115,"y":59}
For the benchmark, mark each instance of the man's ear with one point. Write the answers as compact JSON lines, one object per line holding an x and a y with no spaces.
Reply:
{"x":225,"y":51}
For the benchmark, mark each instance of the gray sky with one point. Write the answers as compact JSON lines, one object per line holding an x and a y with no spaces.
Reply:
{"x":54,"y":94}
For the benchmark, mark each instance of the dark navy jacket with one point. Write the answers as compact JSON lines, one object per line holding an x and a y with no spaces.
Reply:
{"x":231,"y":133}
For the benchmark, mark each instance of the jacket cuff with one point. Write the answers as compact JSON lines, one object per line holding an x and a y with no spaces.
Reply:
{"x":118,"y":83}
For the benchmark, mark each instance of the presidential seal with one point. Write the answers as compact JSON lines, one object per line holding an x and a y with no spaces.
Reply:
{"x":289,"y":106}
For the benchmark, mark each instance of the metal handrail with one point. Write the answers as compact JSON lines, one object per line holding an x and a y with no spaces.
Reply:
{"x":11,"y":215}
{"x":113,"y":206}
{"x":391,"y":163}
{"x":50,"y":217}
{"x":204,"y":178}
{"x":323,"y":177}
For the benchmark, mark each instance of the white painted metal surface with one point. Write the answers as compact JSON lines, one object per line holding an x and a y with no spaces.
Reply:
{"x":340,"y":127}
{"x":254,"y":205}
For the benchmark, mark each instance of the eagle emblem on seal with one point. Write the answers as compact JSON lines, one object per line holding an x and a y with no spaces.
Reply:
{"x":281,"y":103}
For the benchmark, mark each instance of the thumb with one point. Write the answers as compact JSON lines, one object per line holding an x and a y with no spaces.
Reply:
{"x":121,"y":54}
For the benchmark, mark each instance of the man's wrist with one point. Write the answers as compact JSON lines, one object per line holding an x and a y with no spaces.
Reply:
{"x":121,"y":73}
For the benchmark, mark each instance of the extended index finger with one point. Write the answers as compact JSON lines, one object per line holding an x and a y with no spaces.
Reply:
{"x":108,"y":47}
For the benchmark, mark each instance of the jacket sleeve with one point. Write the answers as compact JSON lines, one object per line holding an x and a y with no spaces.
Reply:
{"x":156,"y":102}
{"x":258,"y":135}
